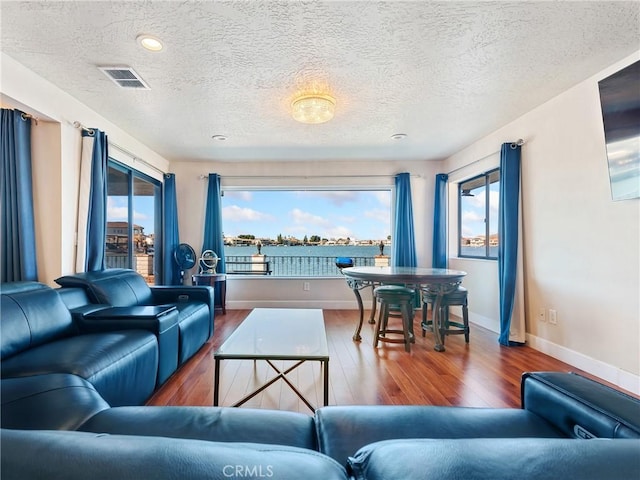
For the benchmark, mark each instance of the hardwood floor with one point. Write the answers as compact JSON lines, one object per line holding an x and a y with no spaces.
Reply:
{"x":479,"y":374}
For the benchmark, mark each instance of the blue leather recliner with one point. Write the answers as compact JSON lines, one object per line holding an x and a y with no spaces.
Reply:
{"x":121,"y":287}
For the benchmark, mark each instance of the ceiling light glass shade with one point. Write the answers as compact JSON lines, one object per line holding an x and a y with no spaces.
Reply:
{"x":313,"y":108}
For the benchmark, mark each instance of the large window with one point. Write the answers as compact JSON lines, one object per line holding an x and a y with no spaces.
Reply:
{"x":134,"y":203}
{"x":301,"y":233}
{"x":478,"y":200}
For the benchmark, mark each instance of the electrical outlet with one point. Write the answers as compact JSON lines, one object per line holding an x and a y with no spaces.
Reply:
{"x":542,"y":314}
{"x":553,"y":317}
{"x":306,"y":286}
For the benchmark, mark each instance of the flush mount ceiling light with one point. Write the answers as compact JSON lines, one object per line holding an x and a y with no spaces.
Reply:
{"x":399,"y":136}
{"x":149,"y":42}
{"x":313,"y":108}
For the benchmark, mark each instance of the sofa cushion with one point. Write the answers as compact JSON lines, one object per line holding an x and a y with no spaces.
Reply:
{"x":119,"y":287}
{"x":77,"y":301}
{"x":32,"y":315}
{"x":343,"y":430}
{"x":55,"y":401}
{"x":221,"y":424}
{"x":81,"y":455}
{"x":121,"y":365}
{"x":497,"y":459}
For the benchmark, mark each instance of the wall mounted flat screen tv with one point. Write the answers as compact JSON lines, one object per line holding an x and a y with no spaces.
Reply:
{"x":620,"y":103}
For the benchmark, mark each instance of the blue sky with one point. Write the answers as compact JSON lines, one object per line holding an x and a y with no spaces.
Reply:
{"x":359,"y":215}
{"x":474,"y":208}
{"x":142,"y":211}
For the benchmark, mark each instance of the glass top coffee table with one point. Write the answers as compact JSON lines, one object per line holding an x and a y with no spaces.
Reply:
{"x":277,"y":334}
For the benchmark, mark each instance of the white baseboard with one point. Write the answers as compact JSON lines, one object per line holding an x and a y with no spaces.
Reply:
{"x":623,"y":379}
{"x":484,"y":322}
{"x":323,"y":304}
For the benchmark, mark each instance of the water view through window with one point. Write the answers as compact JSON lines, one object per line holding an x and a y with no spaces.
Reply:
{"x":301,"y":233}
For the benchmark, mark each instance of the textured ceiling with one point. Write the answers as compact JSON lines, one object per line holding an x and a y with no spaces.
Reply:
{"x":444,"y":73}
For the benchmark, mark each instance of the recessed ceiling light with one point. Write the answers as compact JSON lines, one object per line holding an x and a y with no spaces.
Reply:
{"x":149,"y":42}
{"x":399,"y":136}
{"x":220,"y":138}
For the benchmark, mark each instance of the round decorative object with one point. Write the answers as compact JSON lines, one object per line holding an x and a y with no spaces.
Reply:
{"x":208,"y":261}
{"x":185,"y":256}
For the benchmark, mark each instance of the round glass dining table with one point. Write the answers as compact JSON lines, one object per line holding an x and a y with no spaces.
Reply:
{"x":438,"y":281}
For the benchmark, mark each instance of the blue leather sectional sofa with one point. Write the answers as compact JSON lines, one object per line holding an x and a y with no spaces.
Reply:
{"x":58,"y":424}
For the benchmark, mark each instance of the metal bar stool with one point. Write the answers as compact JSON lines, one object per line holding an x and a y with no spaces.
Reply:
{"x":403,"y":297}
{"x":456,"y":298}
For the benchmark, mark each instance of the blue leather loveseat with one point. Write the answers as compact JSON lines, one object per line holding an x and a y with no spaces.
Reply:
{"x":120,"y":287}
{"x":569,"y":427}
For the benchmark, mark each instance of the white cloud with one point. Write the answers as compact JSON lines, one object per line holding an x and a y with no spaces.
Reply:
{"x":383,"y":197}
{"x":305,"y":223}
{"x":379,"y":215}
{"x":234,"y":213}
{"x":339,"y":231}
{"x":470,"y":217}
{"x":117,"y":211}
{"x":335,"y":198}
{"x":308,"y":219}
{"x":241,"y":195}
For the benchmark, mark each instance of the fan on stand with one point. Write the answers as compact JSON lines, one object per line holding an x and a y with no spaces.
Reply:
{"x":185,"y":257}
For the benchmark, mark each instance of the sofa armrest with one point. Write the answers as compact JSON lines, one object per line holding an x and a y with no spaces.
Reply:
{"x":177,"y":294}
{"x":581,"y":407}
{"x":54,"y":401}
{"x":155,"y":319}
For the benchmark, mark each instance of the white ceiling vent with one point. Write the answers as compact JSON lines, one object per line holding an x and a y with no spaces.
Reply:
{"x":125,"y":77}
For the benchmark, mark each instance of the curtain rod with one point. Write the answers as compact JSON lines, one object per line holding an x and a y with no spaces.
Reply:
{"x":27,"y":116}
{"x":517,"y":143}
{"x":123,"y":150}
{"x":204,"y":177}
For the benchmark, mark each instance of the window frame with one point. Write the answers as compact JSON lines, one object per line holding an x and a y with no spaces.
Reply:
{"x":331,"y":188}
{"x":487,"y":176}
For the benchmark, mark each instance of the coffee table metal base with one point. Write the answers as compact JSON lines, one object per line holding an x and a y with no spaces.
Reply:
{"x":281,"y":374}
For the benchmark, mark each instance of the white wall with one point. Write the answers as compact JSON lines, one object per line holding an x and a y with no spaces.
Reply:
{"x":581,"y":249}
{"x":55,"y":159}
{"x":280,"y":292}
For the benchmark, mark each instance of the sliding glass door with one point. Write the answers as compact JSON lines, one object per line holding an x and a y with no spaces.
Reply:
{"x":134,"y":203}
